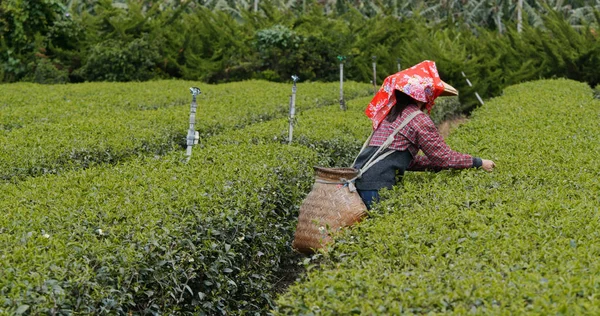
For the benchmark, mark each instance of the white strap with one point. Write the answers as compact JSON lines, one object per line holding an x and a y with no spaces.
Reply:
{"x":372,"y":160}
{"x":364,"y":146}
{"x":380,"y":158}
{"x":385,"y":145}
{"x":349,"y":183}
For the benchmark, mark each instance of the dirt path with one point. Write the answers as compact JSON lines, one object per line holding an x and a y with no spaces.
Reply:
{"x":448,"y":125}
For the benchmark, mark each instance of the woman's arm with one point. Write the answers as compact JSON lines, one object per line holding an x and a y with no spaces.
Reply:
{"x":438,"y":154}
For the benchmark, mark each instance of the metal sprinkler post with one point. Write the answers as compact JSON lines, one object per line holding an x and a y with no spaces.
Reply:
{"x":342,"y":102}
{"x":192,"y":135}
{"x":292,"y":108}
{"x":470,"y":85}
{"x":374,"y":74}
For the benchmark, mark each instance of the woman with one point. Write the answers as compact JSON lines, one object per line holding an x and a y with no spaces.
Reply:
{"x":398,"y":105}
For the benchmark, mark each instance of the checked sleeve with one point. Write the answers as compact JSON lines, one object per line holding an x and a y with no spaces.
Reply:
{"x":438,"y":154}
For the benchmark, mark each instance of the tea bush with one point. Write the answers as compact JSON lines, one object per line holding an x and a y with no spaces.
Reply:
{"x":520,"y":240}
{"x":48,"y":129}
{"x":334,"y":134}
{"x":154,"y":235}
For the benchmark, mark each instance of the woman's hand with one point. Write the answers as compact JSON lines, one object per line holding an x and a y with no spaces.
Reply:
{"x":487,"y":165}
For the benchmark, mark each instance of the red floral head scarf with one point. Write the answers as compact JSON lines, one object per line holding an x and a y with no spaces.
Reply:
{"x":421,"y":81}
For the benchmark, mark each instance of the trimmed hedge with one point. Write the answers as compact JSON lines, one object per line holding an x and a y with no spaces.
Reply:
{"x":49,"y":129}
{"x":521,"y":240}
{"x":334,"y":134}
{"x":155,"y":235}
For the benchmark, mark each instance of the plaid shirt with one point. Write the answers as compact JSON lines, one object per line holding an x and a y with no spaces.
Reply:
{"x":421,"y":133}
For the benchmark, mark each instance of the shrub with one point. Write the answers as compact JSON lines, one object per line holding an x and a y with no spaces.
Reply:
{"x":21,"y":23}
{"x":48,"y":130}
{"x":114,"y":60}
{"x":446,"y":108}
{"x":45,"y":72}
{"x":284,"y":53}
{"x":154,"y":235}
{"x":520,"y":240}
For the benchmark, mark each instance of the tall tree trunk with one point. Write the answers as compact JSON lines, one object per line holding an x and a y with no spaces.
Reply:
{"x":499,"y":22}
{"x":520,"y":16}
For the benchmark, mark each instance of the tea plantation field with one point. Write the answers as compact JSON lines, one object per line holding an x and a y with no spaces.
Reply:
{"x":143,"y":232}
{"x":524,"y":239}
{"x":100,"y":215}
{"x":47,"y":130}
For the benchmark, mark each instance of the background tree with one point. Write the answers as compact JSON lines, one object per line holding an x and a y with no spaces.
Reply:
{"x":24,"y":26}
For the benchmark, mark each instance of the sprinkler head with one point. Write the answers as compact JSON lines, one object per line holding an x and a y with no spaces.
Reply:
{"x":195,"y":91}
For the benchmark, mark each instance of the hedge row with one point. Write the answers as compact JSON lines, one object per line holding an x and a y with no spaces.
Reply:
{"x":521,"y":240}
{"x":48,"y":130}
{"x":155,"y":235}
{"x":336,"y":135}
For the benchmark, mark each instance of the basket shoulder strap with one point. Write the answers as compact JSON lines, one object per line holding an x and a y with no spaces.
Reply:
{"x":363,"y":147}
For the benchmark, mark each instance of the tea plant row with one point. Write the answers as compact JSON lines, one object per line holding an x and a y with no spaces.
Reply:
{"x":521,"y":240}
{"x":155,"y":235}
{"x":46,"y":130}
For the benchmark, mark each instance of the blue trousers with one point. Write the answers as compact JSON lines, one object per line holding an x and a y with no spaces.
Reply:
{"x":369,"y":197}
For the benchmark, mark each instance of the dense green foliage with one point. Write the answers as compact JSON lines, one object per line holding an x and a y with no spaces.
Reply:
{"x":48,"y":130}
{"x":219,"y":41}
{"x":520,"y":240}
{"x":151,"y":234}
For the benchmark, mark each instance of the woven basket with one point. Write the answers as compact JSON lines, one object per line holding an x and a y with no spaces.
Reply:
{"x":327,"y":208}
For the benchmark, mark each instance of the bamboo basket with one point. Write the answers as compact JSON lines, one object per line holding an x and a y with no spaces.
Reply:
{"x":332,"y":204}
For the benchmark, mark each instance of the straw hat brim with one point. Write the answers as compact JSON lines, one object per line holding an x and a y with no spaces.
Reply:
{"x":448,"y":90}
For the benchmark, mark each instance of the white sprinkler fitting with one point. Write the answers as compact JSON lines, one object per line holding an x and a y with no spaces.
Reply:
{"x":193,"y":136}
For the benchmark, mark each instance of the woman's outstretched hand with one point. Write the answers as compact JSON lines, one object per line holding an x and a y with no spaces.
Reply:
{"x":487,"y":165}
